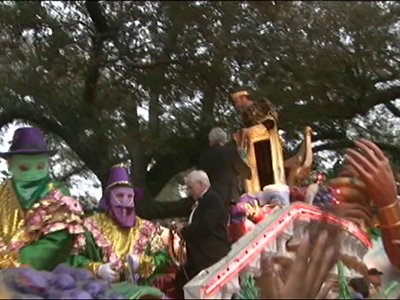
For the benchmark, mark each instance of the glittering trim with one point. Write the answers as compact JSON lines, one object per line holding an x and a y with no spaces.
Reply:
{"x":101,"y":241}
{"x":146,"y":266}
{"x":9,"y":260}
{"x":79,"y":244}
{"x":118,"y":183}
{"x":54,"y":213}
{"x":157,"y":243}
{"x":146,"y":231}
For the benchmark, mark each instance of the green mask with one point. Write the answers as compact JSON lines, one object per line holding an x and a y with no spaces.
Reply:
{"x":29,"y":167}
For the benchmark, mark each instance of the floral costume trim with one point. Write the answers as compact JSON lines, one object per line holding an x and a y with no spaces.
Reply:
{"x":143,"y":235}
{"x":55,"y":212}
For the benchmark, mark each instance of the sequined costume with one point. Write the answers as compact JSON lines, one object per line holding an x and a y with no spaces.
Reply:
{"x":107,"y":242}
{"x":41,"y":235}
{"x":130,"y":248}
{"x":39,"y":223}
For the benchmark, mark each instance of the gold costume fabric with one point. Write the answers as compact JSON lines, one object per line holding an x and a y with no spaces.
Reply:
{"x":116,"y":242}
{"x":11,"y":215}
{"x":41,"y":236}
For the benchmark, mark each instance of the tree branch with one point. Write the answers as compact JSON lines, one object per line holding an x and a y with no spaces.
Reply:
{"x":393,"y":109}
{"x":101,"y":34}
{"x":340,"y":145}
{"x":98,"y":18}
{"x":75,"y":171}
{"x":346,"y":109}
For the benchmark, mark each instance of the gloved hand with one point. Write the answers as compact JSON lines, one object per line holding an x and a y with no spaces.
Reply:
{"x":106,"y":273}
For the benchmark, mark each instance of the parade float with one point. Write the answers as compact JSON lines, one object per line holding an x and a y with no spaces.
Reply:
{"x":264,"y":223}
{"x":276,"y":225}
{"x":276,"y":236}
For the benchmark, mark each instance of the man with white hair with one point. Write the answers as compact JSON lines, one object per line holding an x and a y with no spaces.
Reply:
{"x":206,"y":234}
{"x":224,"y":166}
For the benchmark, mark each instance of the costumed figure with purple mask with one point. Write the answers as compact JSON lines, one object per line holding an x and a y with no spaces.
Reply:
{"x":119,"y":246}
{"x":39,"y":222}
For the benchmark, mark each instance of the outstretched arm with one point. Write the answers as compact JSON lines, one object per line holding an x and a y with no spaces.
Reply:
{"x":150,"y":209}
{"x":374,"y":170}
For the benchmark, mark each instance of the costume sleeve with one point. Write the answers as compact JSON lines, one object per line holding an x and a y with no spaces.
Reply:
{"x":150,"y":209}
{"x":90,"y":258}
{"x":204,"y":223}
{"x":49,"y":251}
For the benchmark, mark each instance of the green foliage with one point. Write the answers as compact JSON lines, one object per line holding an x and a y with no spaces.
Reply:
{"x":344,"y":289}
{"x":145,"y":81}
{"x":248,"y":289}
{"x":374,"y":233}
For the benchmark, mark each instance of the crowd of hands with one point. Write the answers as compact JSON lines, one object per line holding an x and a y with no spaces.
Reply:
{"x":319,"y":249}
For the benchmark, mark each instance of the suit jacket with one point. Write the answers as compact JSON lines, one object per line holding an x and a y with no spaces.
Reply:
{"x":206,"y":236}
{"x":223,"y":165}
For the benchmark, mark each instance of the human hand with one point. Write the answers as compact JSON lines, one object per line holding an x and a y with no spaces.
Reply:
{"x":106,"y":273}
{"x":330,"y":285}
{"x":354,"y":212}
{"x":309,"y":271}
{"x":374,"y":170}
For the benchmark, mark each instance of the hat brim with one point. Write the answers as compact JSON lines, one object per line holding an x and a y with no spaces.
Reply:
{"x":28,"y":152}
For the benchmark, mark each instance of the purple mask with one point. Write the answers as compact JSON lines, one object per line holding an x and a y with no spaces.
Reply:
{"x":122,"y":206}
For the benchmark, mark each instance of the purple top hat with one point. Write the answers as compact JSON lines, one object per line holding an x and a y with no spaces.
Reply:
{"x":119,"y":175}
{"x":28,"y":140}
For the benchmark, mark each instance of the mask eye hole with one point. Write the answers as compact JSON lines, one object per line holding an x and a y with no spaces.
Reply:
{"x":120,"y":196}
{"x":24,"y":167}
{"x":40,"y":166}
{"x":130,"y":196}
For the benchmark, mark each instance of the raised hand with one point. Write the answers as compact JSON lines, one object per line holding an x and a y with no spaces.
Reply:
{"x":309,"y":271}
{"x":354,"y":212}
{"x":374,"y":170}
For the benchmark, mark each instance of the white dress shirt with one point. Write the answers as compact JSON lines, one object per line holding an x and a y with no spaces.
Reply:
{"x":195,"y":206}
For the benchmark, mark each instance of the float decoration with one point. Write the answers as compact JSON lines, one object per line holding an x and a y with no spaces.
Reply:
{"x":270,"y":237}
{"x":68,"y":283}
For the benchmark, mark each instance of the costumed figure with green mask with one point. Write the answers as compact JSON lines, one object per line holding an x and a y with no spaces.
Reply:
{"x":39,"y":223}
{"x":119,"y":246}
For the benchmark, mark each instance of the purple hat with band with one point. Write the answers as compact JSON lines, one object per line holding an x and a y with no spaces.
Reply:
{"x":118,"y":176}
{"x":28,"y":140}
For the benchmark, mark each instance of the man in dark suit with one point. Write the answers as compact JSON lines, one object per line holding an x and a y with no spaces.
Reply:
{"x":206,"y":234}
{"x":223,"y":166}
